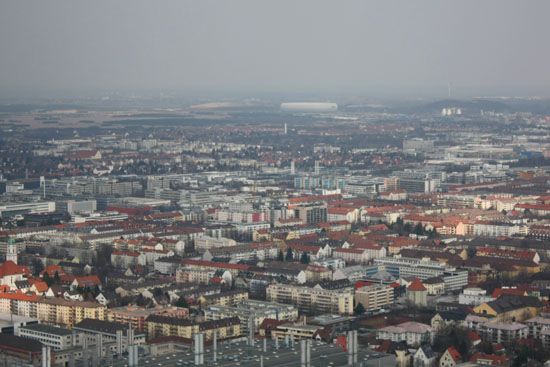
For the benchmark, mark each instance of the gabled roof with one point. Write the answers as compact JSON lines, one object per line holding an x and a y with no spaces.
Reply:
{"x":416,"y":286}
{"x":428,"y":351}
{"x":496,"y":360}
{"x":11,"y":268}
{"x":87,"y":281}
{"x":508,"y":303}
{"x":453,"y":353}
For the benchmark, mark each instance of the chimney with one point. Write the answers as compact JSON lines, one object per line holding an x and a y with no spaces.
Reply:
{"x":100,"y":345}
{"x":46,"y":357}
{"x":302,"y":353}
{"x":130,"y":335}
{"x":305,"y":347}
{"x":119,"y":342}
{"x":215,"y":345}
{"x":251,"y":329}
{"x":199,"y":349}
{"x":352,"y":348}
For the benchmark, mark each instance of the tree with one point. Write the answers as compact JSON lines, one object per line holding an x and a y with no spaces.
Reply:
{"x":452,"y":336}
{"x":304,"y":258}
{"x":46,"y":278}
{"x":485,"y":347}
{"x":37,"y":266}
{"x":56,"y":278}
{"x":157,"y":292}
{"x":289,"y":254}
{"x":181,"y":302}
{"x":359,"y":309}
{"x":280,"y":256}
{"x":141,"y":301}
{"x":419,"y":229}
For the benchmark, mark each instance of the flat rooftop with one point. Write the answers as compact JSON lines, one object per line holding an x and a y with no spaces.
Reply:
{"x":240,"y":354}
{"x":47,"y":329}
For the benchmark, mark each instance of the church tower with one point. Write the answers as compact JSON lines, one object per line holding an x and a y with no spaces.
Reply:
{"x":11,"y":253}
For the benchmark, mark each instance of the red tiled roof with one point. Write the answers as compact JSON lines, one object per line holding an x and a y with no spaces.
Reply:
{"x":52,"y":269}
{"x":338,"y":235}
{"x":214,"y":264}
{"x":516,"y":291}
{"x":473,"y":336}
{"x":125,"y":253}
{"x":40,"y":285}
{"x":339,"y":210}
{"x":349,"y":250}
{"x":11,"y":268}
{"x":304,"y":248}
{"x":416,"y":286}
{"x":362,"y":283}
{"x":19,"y":296}
{"x":496,"y":360}
{"x":454,"y":354}
{"x":89,"y":280}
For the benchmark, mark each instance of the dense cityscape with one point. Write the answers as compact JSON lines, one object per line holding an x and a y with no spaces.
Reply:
{"x":418,"y":234}
{"x":284,"y":183}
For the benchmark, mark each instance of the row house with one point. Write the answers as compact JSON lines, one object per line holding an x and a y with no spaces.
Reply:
{"x":504,"y":332}
{"x":126,"y":259}
{"x":51,"y":310}
{"x":163,"y":326}
{"x":309,"y":300}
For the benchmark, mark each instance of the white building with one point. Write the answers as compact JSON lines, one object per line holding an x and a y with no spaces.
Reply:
{"x":473,"y":296}
{"x":206,"y":242}
{"x":55,"y":337}
{"x":414,"y":333}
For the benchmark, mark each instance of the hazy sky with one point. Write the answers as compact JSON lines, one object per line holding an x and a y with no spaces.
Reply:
{"x":276,"y":45}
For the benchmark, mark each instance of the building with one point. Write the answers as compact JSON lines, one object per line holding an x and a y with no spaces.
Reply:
{"x":414,"y":333}
{"x":10,"y":273}
{"x":313,"y":107}
{"x":424,"y":357}
{"x":130,"y":315}
{"x":374,"y":297}
{"x":539,"y":328}
{"x":110,"y":332}
{"x":417,"y":293}
{"x":312,"y":300}
{"x":504,"y":332}
{"x":68,"y":313}
{"x":490,"y":359}
{"x":55,"y":337}
{"x":10,"y":210}
{"x":203,"y":243}
{"x":435,"y":286}
{"x":311,"y":213}
{"x":225,"y":328}
{"x":450,"y":358}
{"x":473,"y":296}
{"x":256,"y":310}
{"x":194,"y":275}
{"x":408,"y":267}
{"x":50,"y":310}
{"x":508,"y":307}
{"x":335,"y":324}
{"x":295,"y":331}
{"x":18,"y":351}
